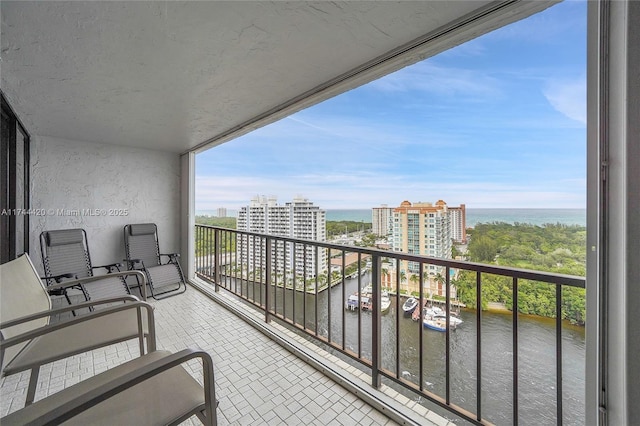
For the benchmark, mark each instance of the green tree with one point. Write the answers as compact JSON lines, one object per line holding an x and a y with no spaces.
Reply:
{"x":553,"y":248}
{"x":483,"y":249}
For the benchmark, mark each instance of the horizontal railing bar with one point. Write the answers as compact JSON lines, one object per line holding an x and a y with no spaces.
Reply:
{"x":526,"y":274}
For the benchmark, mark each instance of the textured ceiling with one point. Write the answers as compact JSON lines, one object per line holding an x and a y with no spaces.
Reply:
{"x":173,"y":75}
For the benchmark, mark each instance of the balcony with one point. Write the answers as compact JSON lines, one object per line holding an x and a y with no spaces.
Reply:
{"x":110,"y":102}
{"x":320,"y":365}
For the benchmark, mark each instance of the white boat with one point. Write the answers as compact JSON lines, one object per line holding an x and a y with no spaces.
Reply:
{"x":453,"y":320}
{"x":433,"y":311}
{"x":435,"y":318}
{"x":385,"y":302}
{"x":367,"y":299}
{"x":409,"y":305}
{"x":352,"y":302}
{"x":435,"y":324}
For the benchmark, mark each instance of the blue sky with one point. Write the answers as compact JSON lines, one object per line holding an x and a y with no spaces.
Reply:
{"x":499,"y":121}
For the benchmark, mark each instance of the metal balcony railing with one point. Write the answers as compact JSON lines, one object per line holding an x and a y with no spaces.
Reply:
{"x":294,"y":281}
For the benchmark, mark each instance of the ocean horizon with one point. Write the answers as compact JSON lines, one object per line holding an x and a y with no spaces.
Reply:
{"x":538,"y":216}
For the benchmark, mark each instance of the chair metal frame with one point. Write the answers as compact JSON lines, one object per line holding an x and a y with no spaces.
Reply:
{"x":136,"y":263}
{"x":127,"y":380}
{"x":145,"y":329}
{"x":121,"y":389}
{"x":56,"y":274}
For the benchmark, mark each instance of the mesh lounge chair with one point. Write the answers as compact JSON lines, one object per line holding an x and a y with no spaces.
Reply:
{"x":143,"y":253}
{"x":65,"y":254}
{"x":151,"y":389}
{"x":28,"y":340}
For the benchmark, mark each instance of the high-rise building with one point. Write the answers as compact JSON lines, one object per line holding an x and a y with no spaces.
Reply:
{"x":296,"y":219}
{"x":458,"y":223}
{"x":425,"y":229}
{"x":221,"y":212}
{"x":382,"y":221}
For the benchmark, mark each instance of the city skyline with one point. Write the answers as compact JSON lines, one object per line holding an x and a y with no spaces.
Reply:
{"x":496,"y":122}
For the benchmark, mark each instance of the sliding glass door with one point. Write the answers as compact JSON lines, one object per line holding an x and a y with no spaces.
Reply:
{"x":14,"y":186}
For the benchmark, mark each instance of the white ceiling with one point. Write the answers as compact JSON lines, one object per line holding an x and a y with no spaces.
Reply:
{"x":174,"y":75}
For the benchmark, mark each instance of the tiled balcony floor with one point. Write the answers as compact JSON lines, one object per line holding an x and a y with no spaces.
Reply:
{"x":257,"y":380}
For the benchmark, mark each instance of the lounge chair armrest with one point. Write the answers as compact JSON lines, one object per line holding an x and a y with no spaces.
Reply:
{"x":131,"y":262}
{"x":173,"y":257}
{"x":112,"y":384}
{"x":170,"y":254}
{"x":79,"y":281}
{"x":31,"y":334}
{"x":109,"y":267}
{"x":58,"y":278}
{"x":51,"y":312}
{"x":62,"y":309}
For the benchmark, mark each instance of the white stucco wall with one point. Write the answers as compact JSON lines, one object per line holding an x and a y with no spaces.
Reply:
{"x":119,"y":185}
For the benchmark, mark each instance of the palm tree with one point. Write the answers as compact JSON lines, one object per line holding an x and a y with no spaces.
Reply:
{"x":403,"y":277}
{"x":415,"y":279}
{"x":439,"y":278}
{"x":385,"y":276}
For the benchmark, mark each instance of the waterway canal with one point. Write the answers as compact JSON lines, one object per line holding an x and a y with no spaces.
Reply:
{"x":536,"y":341}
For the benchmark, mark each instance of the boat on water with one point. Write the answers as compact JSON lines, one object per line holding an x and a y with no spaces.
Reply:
{"x":440,"y":323}
{"x":366,"y":300}
{"x":409,"y":305}
{"x":453,"y":320}
{"x":352,"y":302}
{"x":385,"y":302}
{"x":433,"y":311}
{"x":435,"y":318}
{"x":436,"y":324}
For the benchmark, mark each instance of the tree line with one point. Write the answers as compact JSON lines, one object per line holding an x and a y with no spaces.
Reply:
{"x":335,"y":228}
{"x":555,"y":248}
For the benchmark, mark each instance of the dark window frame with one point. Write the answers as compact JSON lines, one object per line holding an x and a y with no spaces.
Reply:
{"x":10,"y":247}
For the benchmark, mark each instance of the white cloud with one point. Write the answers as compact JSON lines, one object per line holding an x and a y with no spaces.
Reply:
{"x":349,"y":191}
{"x":569,"y":97}
{"x":428,"y":77}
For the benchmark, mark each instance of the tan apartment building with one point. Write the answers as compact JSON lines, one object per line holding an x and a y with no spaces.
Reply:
{"x":458,"y":223}
{"x":425,"y":229}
